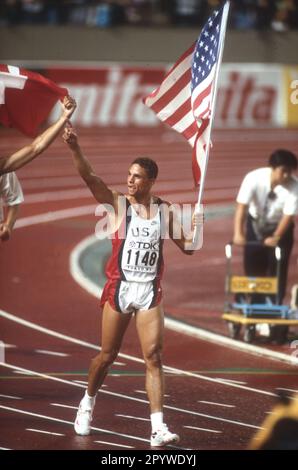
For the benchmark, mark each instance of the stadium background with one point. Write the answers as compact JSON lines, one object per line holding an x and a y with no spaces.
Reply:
{"x":108,"y":70}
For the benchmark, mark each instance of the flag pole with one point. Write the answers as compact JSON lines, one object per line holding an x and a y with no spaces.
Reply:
{"x":198,"y":232}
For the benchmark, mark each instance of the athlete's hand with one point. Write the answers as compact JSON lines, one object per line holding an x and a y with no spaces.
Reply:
{"x":198,"y":219}
{"x":70,"y":136}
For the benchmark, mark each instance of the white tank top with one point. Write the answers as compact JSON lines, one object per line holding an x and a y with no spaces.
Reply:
{"x":141,"y":248}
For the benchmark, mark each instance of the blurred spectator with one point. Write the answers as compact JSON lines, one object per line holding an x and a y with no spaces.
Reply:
{"x":244,"y":14}
{"x":187,"y":12}
{"x":10,"y":12}
{"x":139,"y":12}
{"x":283,"y":11}
{"x":33,"y":11}
{"x":264,"y":12}
{"x":278,"y":15}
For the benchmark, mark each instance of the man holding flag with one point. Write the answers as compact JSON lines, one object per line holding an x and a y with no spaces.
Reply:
{"x":135,"y":267}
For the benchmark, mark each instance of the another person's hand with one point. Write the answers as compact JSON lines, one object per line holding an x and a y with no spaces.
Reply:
{"x":5,"y":232}
{"x":68,"y":106}
{"x":239,"y":239}
{"x":69,"y":136}
{"x":271,"y":241}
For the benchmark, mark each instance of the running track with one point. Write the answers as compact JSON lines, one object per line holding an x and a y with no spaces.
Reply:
{"x":216,"y":399}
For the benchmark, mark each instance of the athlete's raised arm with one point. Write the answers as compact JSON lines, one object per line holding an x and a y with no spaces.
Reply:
{"x":99,"y":189}
{"x":29,"y":152}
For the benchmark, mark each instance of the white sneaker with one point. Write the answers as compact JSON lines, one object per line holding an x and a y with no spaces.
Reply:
{"x":163,"y":436}
{"x":83,"y":421}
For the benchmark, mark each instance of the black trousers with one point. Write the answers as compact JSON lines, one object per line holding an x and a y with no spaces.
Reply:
{"x":260,"y":260}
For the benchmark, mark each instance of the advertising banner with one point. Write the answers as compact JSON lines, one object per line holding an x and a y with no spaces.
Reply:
{"x":250,"y":95}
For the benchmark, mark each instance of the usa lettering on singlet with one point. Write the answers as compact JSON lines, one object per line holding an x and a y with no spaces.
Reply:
{"x":141,"y":248}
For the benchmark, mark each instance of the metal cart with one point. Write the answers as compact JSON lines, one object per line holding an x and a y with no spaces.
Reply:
{"x":240,"y":309}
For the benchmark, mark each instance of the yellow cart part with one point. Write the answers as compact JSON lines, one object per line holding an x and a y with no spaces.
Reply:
{"x":253,"y":285}
{"x":238,"y":318}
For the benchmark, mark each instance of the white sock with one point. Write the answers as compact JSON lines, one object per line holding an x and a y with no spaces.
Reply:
{"x":156,"y":420}
{"x":87,"y":401}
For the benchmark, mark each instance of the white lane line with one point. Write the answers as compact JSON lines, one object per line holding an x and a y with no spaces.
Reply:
{"x":132,"y":417}
{"x":57,"y":195}
{"x":45,"y":432}
{"x":174,"y":325}
{"x":47,"y":331}
{"x":64,"y":406}
{"x":218,"y":381}
{"x":55,"y":215}
{"x":22,"y":372}
{"x":10,"y":396}
{"x":199,"y":333}
{"x":232,"y":381}
{"x":76,"y":271}
{"x":216,"y":404}
{"x":203,"y":429}
{"x":287,"y":389}
{"x":50,"y":418}
{"x":51,"y":353}
{"x":127,"y":397}
{"x":34,"y":326}
{"x":86,"y":383}
{"x":113,"y":444}
{"x":182,"y":410}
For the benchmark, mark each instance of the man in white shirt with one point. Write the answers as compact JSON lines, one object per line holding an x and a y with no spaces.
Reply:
{"x":11,"y":196}
{"x":267,"y":203}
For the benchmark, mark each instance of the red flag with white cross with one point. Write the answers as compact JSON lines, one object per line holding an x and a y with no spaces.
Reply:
{"x":26,"y":98}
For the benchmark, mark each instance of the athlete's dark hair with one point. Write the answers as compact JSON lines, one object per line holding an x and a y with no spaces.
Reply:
{"x":149,"y":165}
{"x":283,"y":157}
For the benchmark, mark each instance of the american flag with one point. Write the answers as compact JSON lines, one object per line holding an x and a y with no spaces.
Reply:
{"x":185,"y":99}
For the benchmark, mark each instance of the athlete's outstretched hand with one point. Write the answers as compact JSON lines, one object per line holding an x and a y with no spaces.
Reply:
{"x":198,"y":217}
{"x":70,"y":136}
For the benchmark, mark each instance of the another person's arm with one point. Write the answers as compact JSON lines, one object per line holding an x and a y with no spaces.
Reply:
{"x":239,"y":224}
{"x":98,"y":188}
{"x":280,"y":230}
{"x":31,"y":151}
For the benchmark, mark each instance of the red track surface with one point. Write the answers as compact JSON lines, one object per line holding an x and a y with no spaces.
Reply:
{"x":36,"y":285}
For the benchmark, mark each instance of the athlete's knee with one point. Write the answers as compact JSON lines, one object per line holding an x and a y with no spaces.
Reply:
{"x":105,"y":358}
{"x":153,"y":357}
